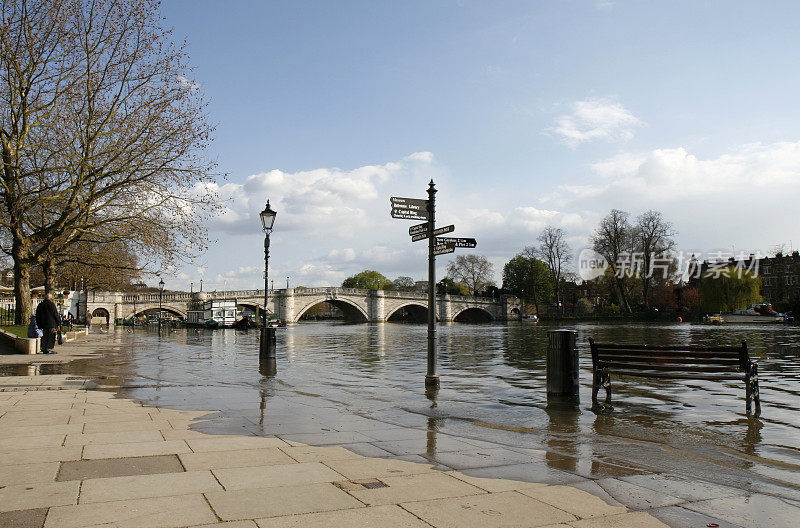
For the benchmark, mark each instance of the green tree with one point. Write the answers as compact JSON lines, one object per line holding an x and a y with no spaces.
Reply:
{"x":529,"y":279}
{"x":368,"y":280}
{"x":729,"y":289}
{"x":450,"y":287}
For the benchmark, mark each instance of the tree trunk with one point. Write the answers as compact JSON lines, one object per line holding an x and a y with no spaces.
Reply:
{"x":22,"y":285}
{"x":49,"y":270}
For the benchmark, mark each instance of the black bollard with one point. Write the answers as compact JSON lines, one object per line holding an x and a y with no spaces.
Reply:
{"x":562,"y":366}
{"x":267,"y":366}
{"x":267,"y":345}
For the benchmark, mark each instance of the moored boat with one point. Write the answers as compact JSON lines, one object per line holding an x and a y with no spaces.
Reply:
{"x":761,"y":313}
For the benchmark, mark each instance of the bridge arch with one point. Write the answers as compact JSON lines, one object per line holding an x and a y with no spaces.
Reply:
{"x":473,"y":314}
{"x":153,"y":308}
{"x":101,"y":312}
{"x":410,"y":312}
{"x":352,"y":311}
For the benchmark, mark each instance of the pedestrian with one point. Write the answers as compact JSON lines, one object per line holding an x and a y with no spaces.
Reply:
{"x":48,"y":320}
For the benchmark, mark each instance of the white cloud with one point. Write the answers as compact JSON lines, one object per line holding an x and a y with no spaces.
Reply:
{"x":595,"y":119}
{"x":747,"y":196}
{"x":327,"y":202}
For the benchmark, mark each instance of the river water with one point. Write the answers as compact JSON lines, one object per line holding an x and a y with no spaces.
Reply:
{"x":492,"y":389}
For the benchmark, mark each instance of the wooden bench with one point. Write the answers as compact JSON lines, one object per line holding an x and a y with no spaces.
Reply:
{"x":674,"y":362}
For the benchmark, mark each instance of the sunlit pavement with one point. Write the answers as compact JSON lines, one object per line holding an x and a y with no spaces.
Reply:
{"x":73,"y":457}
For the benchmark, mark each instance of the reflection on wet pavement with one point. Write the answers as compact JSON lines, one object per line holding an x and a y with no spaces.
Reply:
{"x":362,"y":386}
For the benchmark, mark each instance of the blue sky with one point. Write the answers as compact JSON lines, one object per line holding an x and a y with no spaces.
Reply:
{"x":525,"y":113}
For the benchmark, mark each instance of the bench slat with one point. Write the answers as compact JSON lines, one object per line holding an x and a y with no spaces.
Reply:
{"x":664,"y":358}
{"x":692,"y":348}
{"x":671,"y":375}
{"x":673,"y":367}
{"x":667,"y":352}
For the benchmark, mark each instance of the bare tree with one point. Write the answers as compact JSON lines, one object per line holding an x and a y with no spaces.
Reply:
{"x":655,"y":239}
{"x":614,"y":239}
{"x":555,"y":252}
{"x":403,"y":284}
{"x":475,"y":271}
{"x":103,"y":135}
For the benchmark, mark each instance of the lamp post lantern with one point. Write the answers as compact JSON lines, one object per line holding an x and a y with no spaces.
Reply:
{"x":267,"y":345}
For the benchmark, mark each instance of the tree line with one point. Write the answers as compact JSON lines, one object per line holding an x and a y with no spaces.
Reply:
{"x":103,"y":136}
{"x":642,"y":275}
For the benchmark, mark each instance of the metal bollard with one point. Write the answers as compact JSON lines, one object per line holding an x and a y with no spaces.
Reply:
{"x":267,"y":345}
{"x":562,"y":365}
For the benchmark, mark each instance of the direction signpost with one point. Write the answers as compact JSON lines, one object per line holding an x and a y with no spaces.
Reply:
{"x":417,"y":209}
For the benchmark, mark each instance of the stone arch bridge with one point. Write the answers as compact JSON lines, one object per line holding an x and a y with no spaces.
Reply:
{"x":292,"y":303}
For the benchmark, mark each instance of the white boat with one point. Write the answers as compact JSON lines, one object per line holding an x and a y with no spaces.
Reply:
{"x":755,"y":313}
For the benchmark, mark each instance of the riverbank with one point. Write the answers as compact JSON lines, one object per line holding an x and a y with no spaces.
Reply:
{"x":440,"y":443}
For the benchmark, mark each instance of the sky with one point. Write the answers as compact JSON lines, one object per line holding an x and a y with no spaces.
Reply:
{"x":524,"y":113}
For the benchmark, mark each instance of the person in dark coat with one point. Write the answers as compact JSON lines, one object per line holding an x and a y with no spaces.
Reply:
{"x":48,"y":319}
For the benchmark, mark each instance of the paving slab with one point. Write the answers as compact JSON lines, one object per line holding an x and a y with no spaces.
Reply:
{"x":144,"y":486}
{"x":33,"y":456}
{"x":408,"y":488}
{"x":683,"y":487}
{"x":371,"y":517}
{"x":294,"y":474}
{"x":114,"y":418}
{"x":229,"y":524}
{"x":754,"y":510}
{"x":118,"y":467}
{"x":637,"y":497}
{"x":118,"y":427}
{"x":233,"y":443}
{"x":39,"y":495}
{"x":533,"y":472}
{"x":33,"y":518}
{"x":114,"y":437}
{"x":680,"y":516}
{"x":493,"y":485}
{"x":368,"y":450}
{"x":235,"y":459}
{"x":509,"y":508}
{"x":28,"y":473}
{"x":579,"y":503}
{"x":478,"y":458}
{"x":136,"y":449}
{"x":627,"y":520}
{"x":162,"y":512}
{"x":425,"y":446}
{"x":17,"y":442}
{"x":273,"y":502}
{"x":346,"y":437}
{"x":363,"y":468}
{"x":319,"y":454}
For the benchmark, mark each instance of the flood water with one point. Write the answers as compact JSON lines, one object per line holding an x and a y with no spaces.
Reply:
{"x":492,"y":389}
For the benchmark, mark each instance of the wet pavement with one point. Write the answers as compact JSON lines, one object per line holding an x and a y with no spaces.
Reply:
{"x":684,"y":451}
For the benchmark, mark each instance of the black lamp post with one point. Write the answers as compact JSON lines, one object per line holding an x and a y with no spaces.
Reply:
{"x":160,"y":301}
{"x":267,"y":347}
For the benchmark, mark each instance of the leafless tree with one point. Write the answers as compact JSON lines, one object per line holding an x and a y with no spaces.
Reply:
{"x":475,"y":271}
{"x":655,"y":239}
{"x":614,"y":239}
{"x":554,"y":251}
{"x":103,"y":135}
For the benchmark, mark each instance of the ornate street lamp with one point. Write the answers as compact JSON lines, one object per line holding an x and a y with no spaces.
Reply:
{"x":267,"y":347}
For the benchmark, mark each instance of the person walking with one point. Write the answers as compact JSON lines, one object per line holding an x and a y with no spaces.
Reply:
{"x":49,"y":320}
